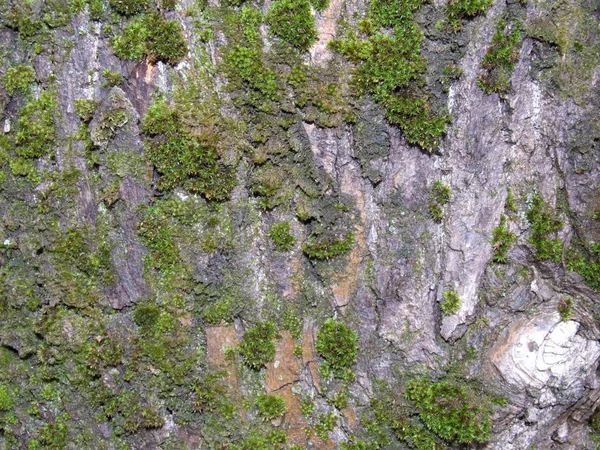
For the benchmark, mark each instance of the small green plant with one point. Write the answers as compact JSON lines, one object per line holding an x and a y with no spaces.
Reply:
{"x":131,"y":43}
{"x":457,"y":10}
{"x":307,"y":406}
{"x":543,"y":225}
{"x":18,"y":79}
{"x":36,"y":127}
{"x":111,"y":78}
{"x":450,"y":410}
{"x":257,"y":346}
{"x":183,"y":160}
{"x":5,"y":399}
{"x":85,"y":109}
{"x":565,"y":309}
{"x":502,"y":239}
{"x":587,"y":264}
{"x":270,"y":406}
{"x":325,"y":248}
{"x":280,"y":233}
{"x":390,"y":68}
{"x":439,"y":197}
{"x":511,"y":204}
{"x":338,"y":345}
{"x":326,"y":422}
{"x":152,"y":35}
{"x":292,"y":21}
{"x":451,"y":303}
{"x":165,"y":40}
{"x":128,"y":7}
{"x":500,"y":59}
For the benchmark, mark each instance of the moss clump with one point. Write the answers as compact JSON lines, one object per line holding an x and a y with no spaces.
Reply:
{"x":244,"y":65}
{"x":565,"y":309}
{"x":499,"y":61}
{"x":185,"y":160}
{"x":439,"y":197}
{"x":326,"y":422}
{"x":270,"y":406}
{"x":111,"y":78}
{"x":5,"y":400}
{"x":131,"y":43}
{"x":165,"y":40}
{"x":457,"y":10}
{"x":128,"y":7}
{"x":327,"y":248}
{"x":36,"y":127}
{"x":85,"y":109}
{"x":156,"y":233}
{"x":338,"y":345}
{"x":292,"y":21}
{"x":257,"y":346}
{"x":152,"y":35}
{"x":543,"y":225}
{"x":586,"y":262}
{"x":18,"y":79}
{"x":390,"y":67}
{"x":450,"y":410}
{"x":451,"y":303}
{"x":502,"y":239}
{"x":55,"y":435}
{"x":280,"y":233}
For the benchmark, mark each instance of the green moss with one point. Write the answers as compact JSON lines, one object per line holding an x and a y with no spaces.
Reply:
{"x":307,"y":406}
{"x":327,"y":248}
{"x":320,"y":5}
{"x":586,"y":262}
{"x":244,"y":65}
{"x":390,"y":67}
{"x":111,"y":78}
{"x":502,"y":239}
{"x":338,"y":345}
{"x":511,"y":205}
{"x":451,"y":303}
{"x":5,"y":399}
{"x":326,"y":423}
{"x":543,"y":225}
{"x":128,"y":7}
{"x":152,"y":35}
{"x":131,"y":42}
{"x":457,"y":10}
{"x":55,"y":435}
{"x":184,"y":160}
{"x":439,"y":197}
{"x":451,"y":411}
{"x":565,"y":309}
{"x":257,"y":346}
{"x":156,"y":233}
{"x":292,"y":21}
{"x":270,"y":406}
{"x":18,"y":79}
{"x":499,"y":61}
{"x":36,"y":132}
{"x":85,"y":109}
{"x":165,"y":40}
{"x":280,"y":233}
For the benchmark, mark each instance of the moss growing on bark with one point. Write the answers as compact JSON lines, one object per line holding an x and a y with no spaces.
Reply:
{"x":292,"y":21}
{"x":338,"y":345}
{"x":18,"y":79}
{"x":499,"y":61}
{"x":257,"y":346}
{"x":390,"y":67}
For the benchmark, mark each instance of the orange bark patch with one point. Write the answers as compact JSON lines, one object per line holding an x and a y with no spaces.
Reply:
{"x":282,"y":373}
{"x":219,"y":339}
